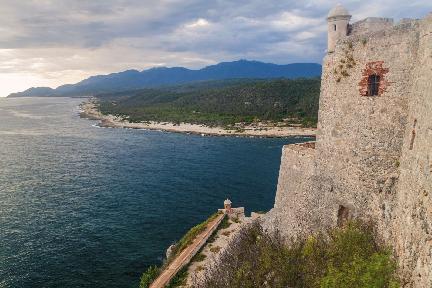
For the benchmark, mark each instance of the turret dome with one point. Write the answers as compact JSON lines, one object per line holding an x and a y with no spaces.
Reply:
{"x":338,"y":10}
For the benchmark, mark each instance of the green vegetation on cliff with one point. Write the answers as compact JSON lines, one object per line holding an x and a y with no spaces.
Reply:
{"x":346,"y":257}
{"x":149,"y":276}
{"x":220,"y":103}
{"x":190,"y":236}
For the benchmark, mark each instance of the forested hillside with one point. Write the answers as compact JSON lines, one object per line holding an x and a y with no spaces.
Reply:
{"x":220,"y":103}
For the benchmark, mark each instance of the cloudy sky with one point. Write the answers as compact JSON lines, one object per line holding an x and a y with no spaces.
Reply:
{"x":53,"y":42}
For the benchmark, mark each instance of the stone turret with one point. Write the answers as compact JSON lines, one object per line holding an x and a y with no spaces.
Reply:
{"x":233,"y":213}
{"x":227,"y":206}
{"x":338,"y":21}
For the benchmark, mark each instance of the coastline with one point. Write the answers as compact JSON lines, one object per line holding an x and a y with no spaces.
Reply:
{"x":89,"y":110}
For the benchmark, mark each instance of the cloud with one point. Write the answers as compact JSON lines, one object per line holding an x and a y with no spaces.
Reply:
{"x":51,"y":42}
{"x":200,"y":23}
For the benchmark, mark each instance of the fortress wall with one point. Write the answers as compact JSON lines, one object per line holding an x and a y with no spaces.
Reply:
{"x":412,"y":223}
{"x":360,"y":138}
{"x":294,"y":211}
{"x":373,"y":155}
{"x":371,"y":24}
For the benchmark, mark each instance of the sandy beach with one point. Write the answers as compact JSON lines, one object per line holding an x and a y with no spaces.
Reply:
{"x":89,"y":110}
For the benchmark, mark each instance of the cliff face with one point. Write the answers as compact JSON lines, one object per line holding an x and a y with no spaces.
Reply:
{"x":373,"y":155}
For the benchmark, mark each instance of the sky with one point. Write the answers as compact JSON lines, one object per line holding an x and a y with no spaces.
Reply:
{"x":55,"y":42}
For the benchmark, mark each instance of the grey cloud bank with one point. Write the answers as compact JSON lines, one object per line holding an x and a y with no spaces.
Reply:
{"x":52,"y":42}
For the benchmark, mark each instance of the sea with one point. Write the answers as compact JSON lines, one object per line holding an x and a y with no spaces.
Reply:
{"x":83,"y":206}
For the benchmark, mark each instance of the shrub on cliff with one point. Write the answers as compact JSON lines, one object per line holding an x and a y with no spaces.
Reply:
{"x":149,"y":276}
{"x":375,"y":271}
{"x":254,"y":259}
{"x":343,"y":257}
{"x":352,"y":258}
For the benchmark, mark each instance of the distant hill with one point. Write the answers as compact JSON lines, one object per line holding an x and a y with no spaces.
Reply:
{"x":220,"y":103}
{"x":155,"y":77}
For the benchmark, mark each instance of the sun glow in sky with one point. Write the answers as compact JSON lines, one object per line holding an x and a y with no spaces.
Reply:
{"x":55,"y":42}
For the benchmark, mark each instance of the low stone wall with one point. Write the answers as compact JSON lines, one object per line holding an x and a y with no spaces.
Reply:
{"x":237,"y":212}
{"x":203,"y":241}
{"x":185,"y":256}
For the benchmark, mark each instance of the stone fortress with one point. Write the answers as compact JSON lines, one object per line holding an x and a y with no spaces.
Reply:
{"x":372,"y":158}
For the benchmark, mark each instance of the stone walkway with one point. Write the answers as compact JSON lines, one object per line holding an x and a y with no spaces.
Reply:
{"x":198,"y":269}
{"x":186,"y":255}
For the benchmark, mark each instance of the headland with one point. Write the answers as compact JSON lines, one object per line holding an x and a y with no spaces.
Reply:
{"x":89,"y":110}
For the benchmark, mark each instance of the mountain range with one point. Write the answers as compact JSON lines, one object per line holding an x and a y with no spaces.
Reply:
{"x":156,"y":77}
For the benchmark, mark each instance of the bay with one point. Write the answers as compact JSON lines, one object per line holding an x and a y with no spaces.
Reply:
{"x":82,"y":206}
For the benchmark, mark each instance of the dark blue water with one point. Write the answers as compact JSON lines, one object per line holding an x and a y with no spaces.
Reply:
{"x":82,"y":206}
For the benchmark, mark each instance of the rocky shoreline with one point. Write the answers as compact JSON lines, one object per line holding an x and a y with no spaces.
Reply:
{"x":89,"y":110}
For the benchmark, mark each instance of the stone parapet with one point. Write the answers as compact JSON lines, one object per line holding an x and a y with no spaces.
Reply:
{"x":370,"y":24}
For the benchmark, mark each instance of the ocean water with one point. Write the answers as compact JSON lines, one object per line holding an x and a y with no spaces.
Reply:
{"x":82,"y":206}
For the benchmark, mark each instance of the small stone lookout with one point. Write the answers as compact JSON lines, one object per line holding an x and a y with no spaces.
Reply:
{"x":227,"y":206}
{"x":232,"y":212}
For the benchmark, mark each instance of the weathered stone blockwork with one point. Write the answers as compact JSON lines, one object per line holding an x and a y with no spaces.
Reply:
{"x":371,"y":24}
{"x":373,"y":155}
{"x":412,"y":222}
{"x":293,"y":199}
